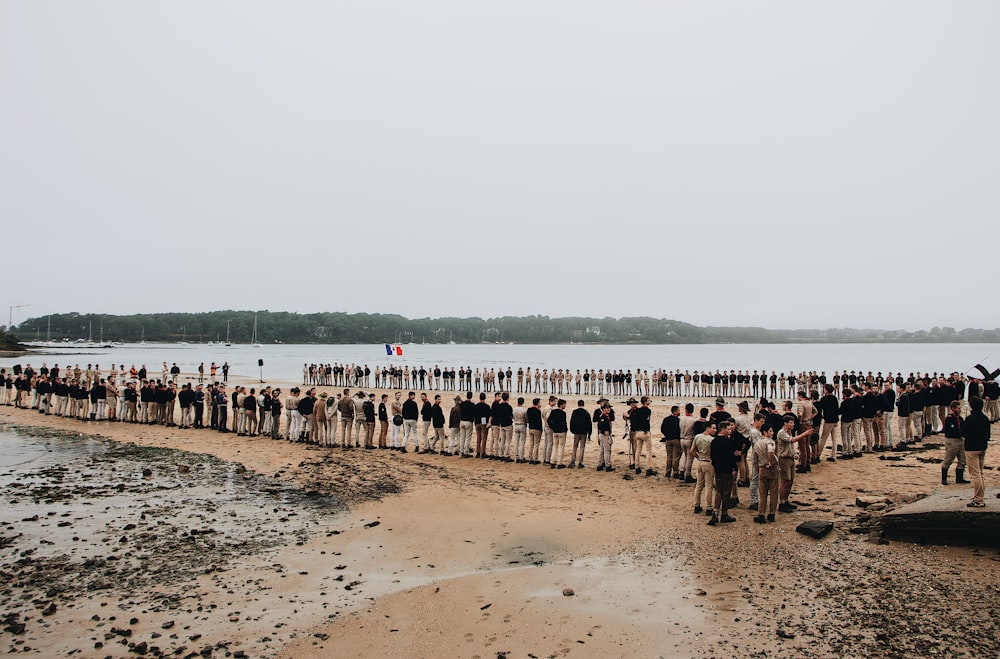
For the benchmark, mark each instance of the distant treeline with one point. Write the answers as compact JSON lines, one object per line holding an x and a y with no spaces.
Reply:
{"x":285,"y":327}
{"x":8,"y":341}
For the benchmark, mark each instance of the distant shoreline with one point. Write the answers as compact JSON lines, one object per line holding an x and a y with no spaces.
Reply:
{"x":337,"y":328}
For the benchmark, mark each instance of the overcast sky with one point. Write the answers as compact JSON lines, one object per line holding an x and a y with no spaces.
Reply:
{"x":781,"y":164}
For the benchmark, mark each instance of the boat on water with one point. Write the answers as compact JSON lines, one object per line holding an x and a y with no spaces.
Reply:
{"x":254,"y":340}
{"x":79,"y":344}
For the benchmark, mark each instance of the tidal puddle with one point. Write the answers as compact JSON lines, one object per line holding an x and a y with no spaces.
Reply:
{"x":81,"y":514}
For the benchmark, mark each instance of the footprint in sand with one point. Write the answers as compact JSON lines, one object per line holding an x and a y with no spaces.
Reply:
{"x":468,"y":638}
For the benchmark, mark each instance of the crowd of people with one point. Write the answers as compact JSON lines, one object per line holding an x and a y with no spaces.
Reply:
{"x":598,"y":382}
{"x":845,"y":418}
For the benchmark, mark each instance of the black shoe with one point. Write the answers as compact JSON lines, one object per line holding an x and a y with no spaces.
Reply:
{"x":402,"y":449}
{"x":600,"y":467}
{"x":561,"y":466}
{"x":713,"y":521}
{"x":650,"y":472}
{"x":688,"y":479}
{"x":831,"y":459}
{"x":638,"y":470}
{"x":580,"y":466}
{"x":709,"y":513}
{"x":785,"y":508}
{"x":572,"y":465}
{"x":698,"y":510}
{"x":770,"y":517}
{"x":552,"y":466}
{"x":760,"y":519}
{"x":753,"y":507}
{"x":726,"y":519}
{"x":609,"y":469}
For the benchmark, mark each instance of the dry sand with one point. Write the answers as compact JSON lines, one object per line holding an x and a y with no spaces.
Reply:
{"x":443,"y":557}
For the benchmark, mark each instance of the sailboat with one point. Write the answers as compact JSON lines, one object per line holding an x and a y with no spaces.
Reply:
{"x":227,"y":335}
{"x":142,"y":335}
{"x":183,"y":340}
{"x":254,"y":341}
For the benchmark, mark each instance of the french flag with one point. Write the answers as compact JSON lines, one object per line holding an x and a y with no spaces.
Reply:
{"x":391,"y":350}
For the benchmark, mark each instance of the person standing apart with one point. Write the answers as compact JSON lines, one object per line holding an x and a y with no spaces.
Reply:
{"x":954,"y":444}
{"x":639,"y":419}
{"x":976,"y":432}
{"x":604,"y":438}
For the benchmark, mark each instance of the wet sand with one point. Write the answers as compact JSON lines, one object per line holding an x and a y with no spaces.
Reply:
{"x":439,"y":556}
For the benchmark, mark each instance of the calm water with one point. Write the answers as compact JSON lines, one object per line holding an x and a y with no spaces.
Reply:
{"x":284,"y":362}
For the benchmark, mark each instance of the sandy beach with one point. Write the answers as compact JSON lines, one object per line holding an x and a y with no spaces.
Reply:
{"x":435,"y":556}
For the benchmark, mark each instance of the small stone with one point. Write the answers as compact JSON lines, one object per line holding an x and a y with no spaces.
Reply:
{"x":183,"y":469}
{"x":147,"y":472}
{"x":568,"y":592}
{"x":864,"y":502}
{"x":784,"y":633}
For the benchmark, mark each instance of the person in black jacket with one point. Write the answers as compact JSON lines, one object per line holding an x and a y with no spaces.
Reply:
{"x":954,"y":444}
{"x":305,"y":408}
{"x":848,"y":434}
{"x":581,"y":426}
{"x":605,"y":437}
{"x":368,"y":409}
{"x":887,"y":403}
{"x":198,"y":406}
{"x":640,"y":422}
{"x":277,"y":407}
{"x":503,"y":426}
{"x":383,"y":420}
{"x":918,"y":401}
{"x":425,"y":423}
{"x":467,"y":411}
{"x":410,"y":415}
{"x":559,"y":427}
{"x":533,"y":419}
{"x":483,"y":413}
{"x":869,"y":406}
{"x":437,"y":421}
{"x":725,"y":457}
{"x":185,"y":398}
{"x":223,"y":406}
{"x":671,"y":429}
{"x":98,"y":396}
{"x":976,"y":432}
